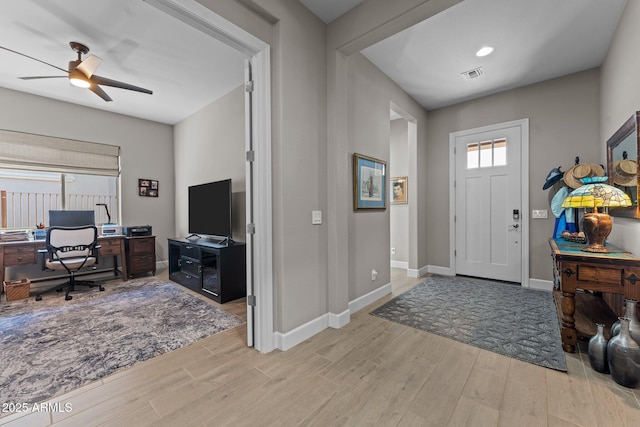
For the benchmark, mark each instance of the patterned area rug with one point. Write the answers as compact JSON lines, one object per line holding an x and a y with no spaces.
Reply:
{"x":499,"y":317}
{"x":52,"y":346}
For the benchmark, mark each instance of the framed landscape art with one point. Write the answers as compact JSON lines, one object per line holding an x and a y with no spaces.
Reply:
{"x":369,"y":183}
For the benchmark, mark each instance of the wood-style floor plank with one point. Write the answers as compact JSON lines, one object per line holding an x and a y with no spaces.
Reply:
{"x":370,"y":372}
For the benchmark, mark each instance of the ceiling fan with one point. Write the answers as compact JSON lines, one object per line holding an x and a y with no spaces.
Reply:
{"x":80,"y":73}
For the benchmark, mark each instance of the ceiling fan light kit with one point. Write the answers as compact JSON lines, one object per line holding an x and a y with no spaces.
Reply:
{"x":80,"y":73}
{"x":77,"y":79}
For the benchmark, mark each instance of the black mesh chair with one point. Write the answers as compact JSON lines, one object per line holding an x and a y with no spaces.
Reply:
{"x":70,"y":249}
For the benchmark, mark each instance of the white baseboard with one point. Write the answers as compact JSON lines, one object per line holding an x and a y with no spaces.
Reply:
{"x":542,"y":285}
{"x":445,"y":271}
{"x":412,"y":272}
{"x":287,"y":340}
{"x":400,"y":264}
{"x":337,"y":321}
{"x":373,"y":296}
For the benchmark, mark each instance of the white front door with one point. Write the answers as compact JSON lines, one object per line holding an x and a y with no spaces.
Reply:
{"x":488,"y":205}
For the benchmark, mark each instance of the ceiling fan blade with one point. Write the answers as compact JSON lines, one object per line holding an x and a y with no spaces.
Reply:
{"x":35,"y":59}
{"x":101,"y":93}
{"x":43,"y":77}
{"x":114,"y":83}
{"x":89,"y":65}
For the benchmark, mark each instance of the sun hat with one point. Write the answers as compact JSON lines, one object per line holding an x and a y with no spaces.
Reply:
{"x":625,"y":172}
{"x":554,"y":176}
{"x":573,"y":176}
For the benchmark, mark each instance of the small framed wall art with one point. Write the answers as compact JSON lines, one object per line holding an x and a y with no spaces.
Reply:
{"x":399,"y":190}
{"x":148,"y":187}
{"x":369,"y":183}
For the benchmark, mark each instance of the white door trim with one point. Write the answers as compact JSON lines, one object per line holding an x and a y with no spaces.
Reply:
{"x":523,"y":124}
{"x":204,"y":19}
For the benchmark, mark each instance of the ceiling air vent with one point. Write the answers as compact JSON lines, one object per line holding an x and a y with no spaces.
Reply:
{"x":473,"y":74}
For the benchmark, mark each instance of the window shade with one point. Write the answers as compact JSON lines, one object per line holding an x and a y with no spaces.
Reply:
{"x":27,"y":151}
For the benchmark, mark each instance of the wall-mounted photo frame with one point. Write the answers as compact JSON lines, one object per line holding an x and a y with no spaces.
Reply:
{"x":399,"y":190}
{"x":147,"y":187}
{"x":369,"y":183}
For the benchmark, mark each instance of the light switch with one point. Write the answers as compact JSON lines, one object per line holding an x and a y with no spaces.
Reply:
{"x":539,"y":214}
{"x":316,"y":217}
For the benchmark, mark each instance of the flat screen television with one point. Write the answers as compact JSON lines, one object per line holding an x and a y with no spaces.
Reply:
{"x":71,"y":218}
{"x":210,"y":210}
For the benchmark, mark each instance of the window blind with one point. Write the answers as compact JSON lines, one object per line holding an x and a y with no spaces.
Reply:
{"x":27,"y":151}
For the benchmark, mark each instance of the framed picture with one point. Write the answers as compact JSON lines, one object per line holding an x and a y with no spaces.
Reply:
{"x":148,"y":187}
{"x":399,"y":190}
{"x":369,"y":183}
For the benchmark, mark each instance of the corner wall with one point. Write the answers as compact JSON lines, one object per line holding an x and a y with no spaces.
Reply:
{"x":210,"y":146}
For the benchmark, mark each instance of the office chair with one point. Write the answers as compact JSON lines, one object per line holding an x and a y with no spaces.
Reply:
{"x":70,"y":249}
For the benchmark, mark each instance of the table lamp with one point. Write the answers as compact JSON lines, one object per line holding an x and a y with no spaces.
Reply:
{"x":594,"y":193}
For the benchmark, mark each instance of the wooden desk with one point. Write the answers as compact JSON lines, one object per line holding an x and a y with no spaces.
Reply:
{"x":26,"y":252}
{"x":617,"y":272}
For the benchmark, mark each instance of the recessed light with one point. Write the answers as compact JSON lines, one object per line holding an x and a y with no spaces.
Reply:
{"x":484,"y":51}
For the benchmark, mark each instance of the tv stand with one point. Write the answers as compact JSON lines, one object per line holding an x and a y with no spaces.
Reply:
{"x":213,"y":270}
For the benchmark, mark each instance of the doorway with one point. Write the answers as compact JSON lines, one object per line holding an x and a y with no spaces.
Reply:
{"x":403,"y":141}
{"x":489,"y":197}
{"x":258,"y":171}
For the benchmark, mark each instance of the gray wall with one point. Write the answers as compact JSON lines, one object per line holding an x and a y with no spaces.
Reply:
{"x":399,"y":167}
{"x":146,"y":151}
{"x":209,"y":146}
{"x":563,"y":123}
{"x":371,"y":94}
{"x":620,"y":99}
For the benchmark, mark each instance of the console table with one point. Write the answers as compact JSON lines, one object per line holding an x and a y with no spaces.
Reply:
{"x":216,"y":271}
{"x":617,"y":272}
{"x":26,"y":252}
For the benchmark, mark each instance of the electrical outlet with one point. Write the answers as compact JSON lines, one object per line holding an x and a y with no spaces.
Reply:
{"x":393,"y":251}
{"x":374,"y":275}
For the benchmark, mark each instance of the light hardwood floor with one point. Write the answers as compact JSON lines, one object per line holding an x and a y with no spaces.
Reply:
{"x":370,"y":372}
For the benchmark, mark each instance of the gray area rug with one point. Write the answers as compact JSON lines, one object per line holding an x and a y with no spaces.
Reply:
{"x":500,"y":317}
{"x":52,"y":346}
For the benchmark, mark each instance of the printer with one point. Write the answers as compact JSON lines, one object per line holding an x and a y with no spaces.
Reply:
{"x":137,"y":230}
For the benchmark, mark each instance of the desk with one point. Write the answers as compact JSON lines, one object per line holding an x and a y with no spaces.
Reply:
{"x":26,"y":252}
{"x":617,"y":272}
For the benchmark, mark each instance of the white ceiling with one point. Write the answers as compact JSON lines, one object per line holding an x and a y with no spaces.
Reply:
{"x":187,"y":69}
{"x":533,"y":40}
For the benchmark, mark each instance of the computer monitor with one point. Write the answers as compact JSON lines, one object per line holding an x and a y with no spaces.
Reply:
{"x":71,"y":218}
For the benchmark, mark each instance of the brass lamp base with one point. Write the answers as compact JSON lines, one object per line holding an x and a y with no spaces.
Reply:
{"x":596,"y":227}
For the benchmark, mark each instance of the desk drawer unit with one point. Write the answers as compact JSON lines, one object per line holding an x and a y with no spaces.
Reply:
{"x":142,"y":246}
{"x":19,"y":255}
{"x":109,"y":247}
{"x":141,"y":255}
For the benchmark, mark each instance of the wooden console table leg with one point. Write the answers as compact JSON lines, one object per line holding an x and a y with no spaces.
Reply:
{"x":569,"y":333}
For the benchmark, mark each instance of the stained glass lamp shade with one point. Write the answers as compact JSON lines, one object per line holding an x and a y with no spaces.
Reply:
{"x":596,"y":194}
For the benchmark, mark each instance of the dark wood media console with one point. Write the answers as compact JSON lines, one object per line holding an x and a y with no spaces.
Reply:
{"x":216,"y":271}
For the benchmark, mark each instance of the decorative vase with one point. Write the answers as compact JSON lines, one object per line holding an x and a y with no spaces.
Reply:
{"x":623,"y":355}
{"x":631,"y":314}
{"x":615,"y":328}
{"x":598,"y":351}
